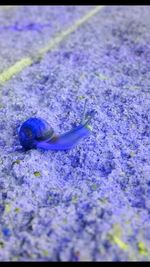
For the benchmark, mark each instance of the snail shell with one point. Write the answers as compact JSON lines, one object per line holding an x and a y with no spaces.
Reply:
{"x":37,"y":133}
{"x":33,"y":131}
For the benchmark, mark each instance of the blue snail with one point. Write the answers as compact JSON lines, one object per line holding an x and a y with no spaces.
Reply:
{"x":36,"y":133}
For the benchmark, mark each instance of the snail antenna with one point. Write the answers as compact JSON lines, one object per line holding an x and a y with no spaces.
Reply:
{"x":84,"y":112}
{"x":86,"y":117}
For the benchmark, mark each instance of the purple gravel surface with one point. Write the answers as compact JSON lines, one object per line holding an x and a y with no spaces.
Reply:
{"x":25,"y":29}
{"x":90,"y":203}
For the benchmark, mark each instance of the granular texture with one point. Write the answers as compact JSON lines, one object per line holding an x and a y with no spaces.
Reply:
{"x":90,"y":203}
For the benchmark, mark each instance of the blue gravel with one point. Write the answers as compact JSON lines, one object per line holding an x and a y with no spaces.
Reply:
{"x":90,"y":203}
{"x":25,"y":29}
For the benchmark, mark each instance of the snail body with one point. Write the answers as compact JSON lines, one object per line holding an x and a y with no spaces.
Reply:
{"x":37,"y":133}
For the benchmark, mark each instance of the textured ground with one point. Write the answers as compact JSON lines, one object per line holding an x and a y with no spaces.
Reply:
{"x":93,"y":202}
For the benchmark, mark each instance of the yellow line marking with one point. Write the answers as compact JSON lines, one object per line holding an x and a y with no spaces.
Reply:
{"x":27,"y":61}
{"x":120,"y":243}
{"x":65,"y":33}
{"x":142,"y":249}
{"x":16,"y":68}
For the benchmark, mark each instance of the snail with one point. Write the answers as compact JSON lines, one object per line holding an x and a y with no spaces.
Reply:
{"x":37,"y":133}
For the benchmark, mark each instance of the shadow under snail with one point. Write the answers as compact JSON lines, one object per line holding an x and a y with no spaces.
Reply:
{"x":37,"y":133}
